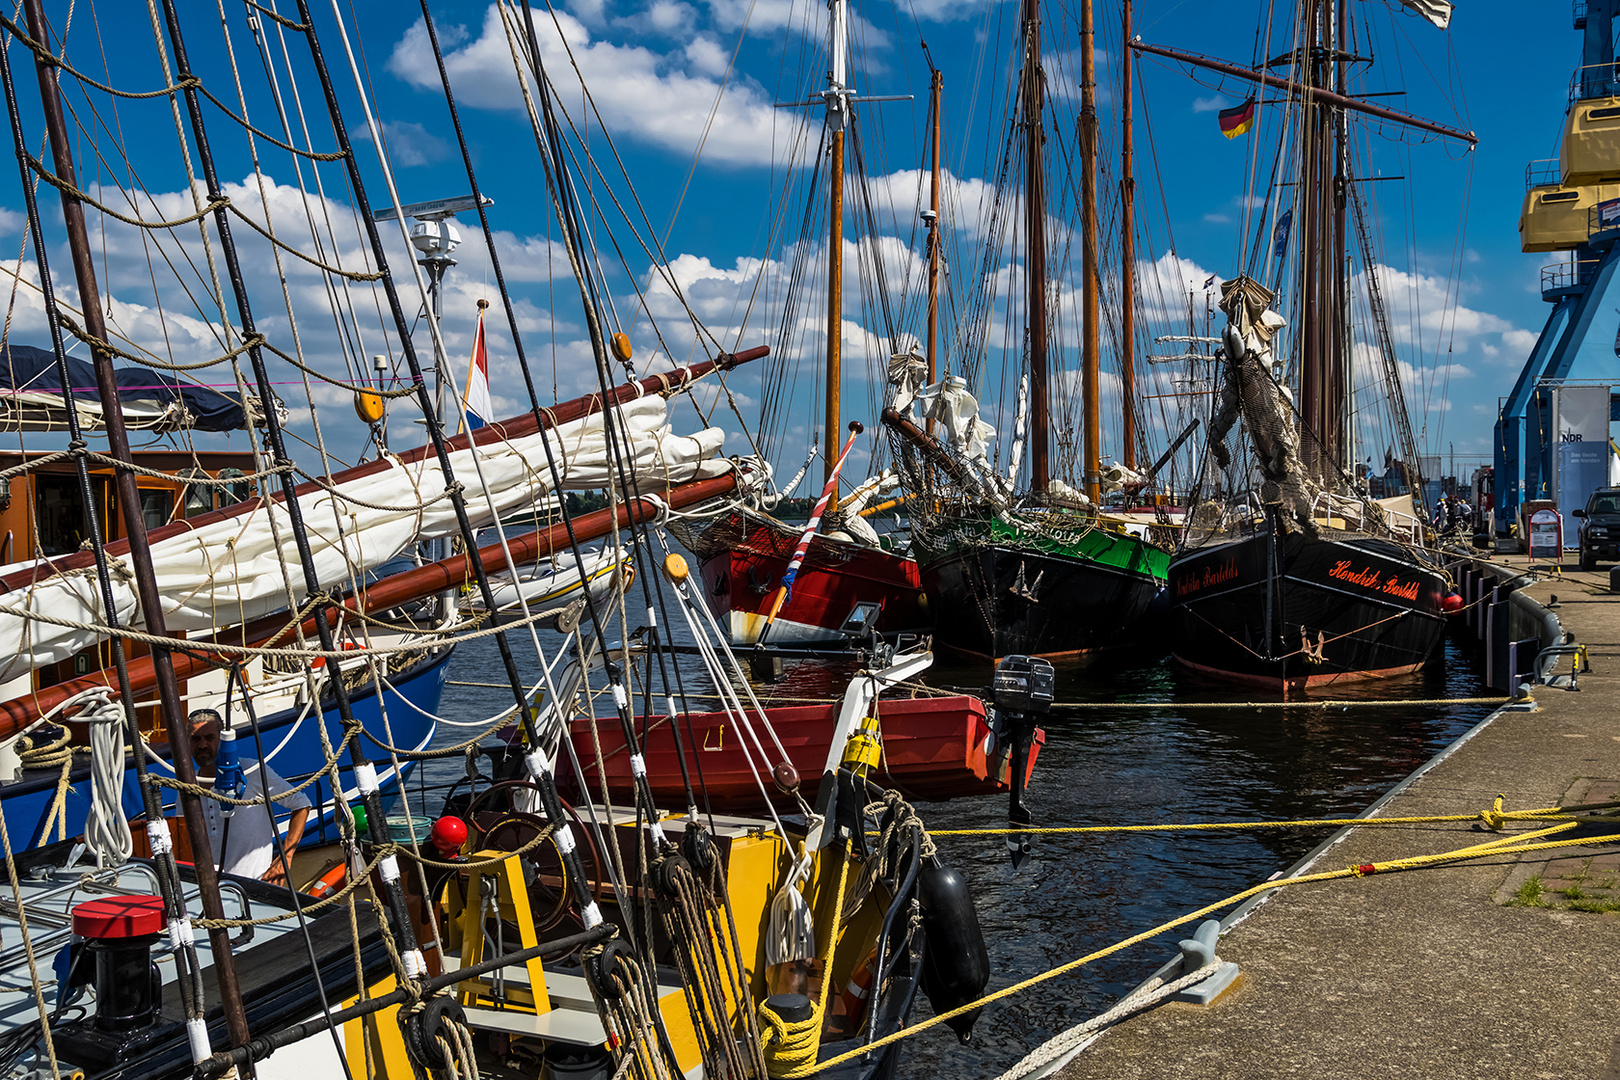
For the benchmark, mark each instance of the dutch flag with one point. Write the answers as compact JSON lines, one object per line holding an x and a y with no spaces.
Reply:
{"x":476,"y":408}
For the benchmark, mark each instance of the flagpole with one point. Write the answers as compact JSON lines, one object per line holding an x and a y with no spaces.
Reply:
{"x":786,"y":589}
{"x":472,"y":365}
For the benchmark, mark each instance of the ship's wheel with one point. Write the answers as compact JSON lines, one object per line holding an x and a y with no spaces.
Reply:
{"x":502,"y":826}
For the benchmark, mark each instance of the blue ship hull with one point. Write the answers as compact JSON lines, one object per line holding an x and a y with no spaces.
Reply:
{"x":291,"y":743}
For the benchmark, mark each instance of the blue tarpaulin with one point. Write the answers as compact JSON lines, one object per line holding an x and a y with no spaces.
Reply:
{"x":25,"y":369}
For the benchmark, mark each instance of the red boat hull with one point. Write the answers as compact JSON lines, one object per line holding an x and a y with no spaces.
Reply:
{"x":742,"y":562}
{"x":933,"y":749}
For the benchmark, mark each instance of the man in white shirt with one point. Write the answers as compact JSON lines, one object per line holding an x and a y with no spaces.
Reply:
{"x":244,"y":843}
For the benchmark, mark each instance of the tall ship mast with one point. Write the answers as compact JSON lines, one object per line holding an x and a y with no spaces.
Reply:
{"x":1293,"y":576}
{"x":835,"y":579}
{"x":1047,"y":568}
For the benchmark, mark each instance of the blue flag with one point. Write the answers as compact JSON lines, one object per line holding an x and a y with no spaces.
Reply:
{"x":1279,"y":234}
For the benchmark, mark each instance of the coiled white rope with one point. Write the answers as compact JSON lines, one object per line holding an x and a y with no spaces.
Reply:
{"x":106,"y":830}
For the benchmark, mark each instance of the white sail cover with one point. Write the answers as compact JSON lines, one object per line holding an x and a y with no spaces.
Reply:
{"x":238,"y":569}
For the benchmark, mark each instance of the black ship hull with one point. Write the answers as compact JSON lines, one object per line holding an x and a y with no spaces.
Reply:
{"x":992,"y":601}
{"x":1293,"y":611}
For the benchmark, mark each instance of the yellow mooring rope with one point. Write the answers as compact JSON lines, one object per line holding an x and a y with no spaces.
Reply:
{"x":1505,"y":845}
{"x":1494,"y":818}
{"x":1326,"y":703}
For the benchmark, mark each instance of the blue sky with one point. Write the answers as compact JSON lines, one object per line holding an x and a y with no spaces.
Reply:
{"x":1449,"y":254}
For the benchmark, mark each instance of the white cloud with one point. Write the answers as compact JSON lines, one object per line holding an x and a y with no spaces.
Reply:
{"x":409,"y":144}
{"x":1519,"y":343}
{"x":1169,"y":284}
{"x":640,"y":94}
{"x":1218,"y":219}
{"x":1210,"y":104}
{"x":707,"y":55}
{"x":1423,"y":311}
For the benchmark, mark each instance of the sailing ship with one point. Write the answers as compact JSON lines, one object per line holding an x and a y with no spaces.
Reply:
{"x":1051,"y":572}
{"x":850,"y":581}
{"x":1303,"y":580}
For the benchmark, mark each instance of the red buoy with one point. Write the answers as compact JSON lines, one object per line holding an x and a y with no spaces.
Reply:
{"x":449,"y":833}
{"x":1451,"y":603}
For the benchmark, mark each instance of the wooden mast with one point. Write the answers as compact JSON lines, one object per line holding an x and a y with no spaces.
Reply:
{"x":1127,"y":258}
{"x":1312,"y":365}
{"x":1035,"y":238}
{"x":1090,"y":361}
{"x":1336,"y":391}
{"x":935,"y":88}
{"x":837,"y":118}
{"x":171,"y":701}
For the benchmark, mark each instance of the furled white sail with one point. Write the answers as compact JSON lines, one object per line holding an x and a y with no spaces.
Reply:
{"x":239,"y":569}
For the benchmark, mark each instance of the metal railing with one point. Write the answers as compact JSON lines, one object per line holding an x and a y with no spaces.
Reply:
{"x":1580,"y":14}
{"x":1543,"y":172}
{"x":1366,"y":512}
{"x":1604,"y":217}
{"x":1594,"y":81}
{"x":1567,"y":274}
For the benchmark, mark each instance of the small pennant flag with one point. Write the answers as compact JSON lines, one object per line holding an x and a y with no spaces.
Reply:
{"x":1237,"y":120}
{"x":477,"y":410}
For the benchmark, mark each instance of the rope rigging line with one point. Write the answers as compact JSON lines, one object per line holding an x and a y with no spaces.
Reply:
{"x":242,"y":122}
{"x":277,"y":17}
{"x":46,"y":56}
{"x":85,"y":197}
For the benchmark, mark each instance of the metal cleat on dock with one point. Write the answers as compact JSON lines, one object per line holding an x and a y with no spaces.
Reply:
{"x":1197,"y":952}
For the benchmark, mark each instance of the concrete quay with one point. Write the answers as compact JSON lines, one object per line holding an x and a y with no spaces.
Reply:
{"x":1439,"y":972}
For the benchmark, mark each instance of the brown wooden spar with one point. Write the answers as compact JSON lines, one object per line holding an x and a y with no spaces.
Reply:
{"x":1295,"y":88}
{"x":667,"y":383}
{"x":390,"y":592}
{"x":933,"y":452}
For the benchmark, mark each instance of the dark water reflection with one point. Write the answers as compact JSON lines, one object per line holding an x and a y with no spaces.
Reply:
{"x":1106,"y":766}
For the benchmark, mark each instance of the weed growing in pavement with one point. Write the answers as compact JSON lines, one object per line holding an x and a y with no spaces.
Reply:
{"x":1531,"y":894}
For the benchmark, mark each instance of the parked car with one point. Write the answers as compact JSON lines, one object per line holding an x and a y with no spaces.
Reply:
{"x":1600,"y":527}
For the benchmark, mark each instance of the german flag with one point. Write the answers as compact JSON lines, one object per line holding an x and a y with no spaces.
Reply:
{"x":1237,"y":120}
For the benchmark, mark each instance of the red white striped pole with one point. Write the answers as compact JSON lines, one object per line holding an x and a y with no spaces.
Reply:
{"x":799,"y":552}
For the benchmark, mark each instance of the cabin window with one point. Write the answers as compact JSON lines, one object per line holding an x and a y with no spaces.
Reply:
{"x":60,"y":514}
{"x":1603,"y":114}
{"x":1560,"y":196}
{"x":157,"y":506}
{"x":199,"y":498}
{"x":234,"y":493}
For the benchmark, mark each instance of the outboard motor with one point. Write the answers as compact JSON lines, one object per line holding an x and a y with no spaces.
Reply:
{"x":1023,"y":689}
{"x":956,"y":965}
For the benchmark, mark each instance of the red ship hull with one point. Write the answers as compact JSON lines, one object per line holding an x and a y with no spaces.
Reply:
{"x":742,"y":562}
{"x":933,"y":749}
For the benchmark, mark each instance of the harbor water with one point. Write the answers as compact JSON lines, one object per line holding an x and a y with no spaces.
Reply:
{"x":1109,"y":767}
